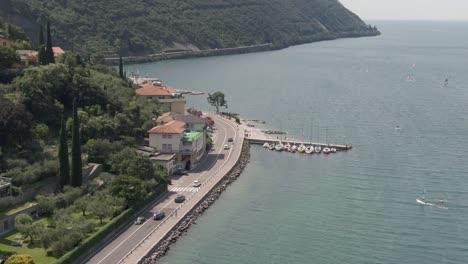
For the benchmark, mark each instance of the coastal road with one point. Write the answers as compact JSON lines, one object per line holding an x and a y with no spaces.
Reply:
{"x":137,"y":240}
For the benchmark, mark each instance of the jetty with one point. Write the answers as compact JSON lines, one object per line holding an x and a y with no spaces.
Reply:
{"x":260,"y":137}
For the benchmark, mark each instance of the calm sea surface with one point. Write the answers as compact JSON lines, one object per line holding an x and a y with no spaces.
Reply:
{"x":356,"y":207}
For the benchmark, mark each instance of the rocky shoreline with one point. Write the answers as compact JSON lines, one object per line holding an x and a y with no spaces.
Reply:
{"x":163,"y":247}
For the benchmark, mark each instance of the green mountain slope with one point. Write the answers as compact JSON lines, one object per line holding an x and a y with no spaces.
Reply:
{"x":146,"y":26}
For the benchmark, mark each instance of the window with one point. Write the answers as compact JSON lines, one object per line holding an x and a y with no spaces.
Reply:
{"x":164,"y":136}
{"x":164,"y":146}
{"x":169,"y":147}
{"x":169,"y":136}
{"x":4,"y":44}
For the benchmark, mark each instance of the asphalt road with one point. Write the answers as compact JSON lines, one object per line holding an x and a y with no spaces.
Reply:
{"x":134,"y":242}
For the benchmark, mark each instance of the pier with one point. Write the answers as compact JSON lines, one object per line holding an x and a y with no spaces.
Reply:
{"x":259,"y":137}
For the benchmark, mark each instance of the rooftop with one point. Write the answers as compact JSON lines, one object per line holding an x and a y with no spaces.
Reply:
{"x":187,"y":118}
{"x":191,"y":136}
{"x":163,"y":157}
{"x":149,"y":89}
{"x":173,"y":127}
{"x":58,"y":51}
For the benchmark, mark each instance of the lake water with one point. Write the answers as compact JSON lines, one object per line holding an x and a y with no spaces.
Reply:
{"x":351,"y":207}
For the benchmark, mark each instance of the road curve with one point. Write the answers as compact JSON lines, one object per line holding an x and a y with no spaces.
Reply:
{"x":137,"y":240}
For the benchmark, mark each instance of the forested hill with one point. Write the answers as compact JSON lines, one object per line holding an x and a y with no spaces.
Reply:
{"x":147,"y":26}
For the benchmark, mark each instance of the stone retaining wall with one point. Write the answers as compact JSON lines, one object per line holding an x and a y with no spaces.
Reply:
{"x":163,"y":246}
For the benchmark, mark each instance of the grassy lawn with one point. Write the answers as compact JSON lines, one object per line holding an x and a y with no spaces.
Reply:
{"x":35,"y":250}
{"x":16,"y":208}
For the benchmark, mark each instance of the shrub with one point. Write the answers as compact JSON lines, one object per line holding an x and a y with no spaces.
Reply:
{"x":20,"y":259}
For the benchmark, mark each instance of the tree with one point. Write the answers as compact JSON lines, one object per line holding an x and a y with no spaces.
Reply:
{"x":10,"y":32}
{"x":49,"y":51}
{"x":19,"y":259}
{"x":128,"y":162}
{"x":130,"y":188}
{"x":217,"y":100}
{"x":101,"y":206}
{"x":76,"y":167}
{"x":41,"y":49}
{"x":23,"y":223}
{"x":121,"y":70}
{"x":46,"y":203}
{"x":8,"y":57}
{"x":41,"y":131}
{"x":64,"y":171}
{"x":15,"y":123}
{"x":83,"y":203}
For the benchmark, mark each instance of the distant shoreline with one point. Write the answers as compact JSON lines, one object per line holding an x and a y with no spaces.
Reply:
{"x":230,"y":51}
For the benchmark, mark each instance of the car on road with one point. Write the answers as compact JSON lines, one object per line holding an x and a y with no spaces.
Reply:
{"x":139,"y":220}
{"x":159,"y":216}
{"x":230,"y":140}
{"x":179,"y":199}
{"x":181,"y":172}
{"x":226,"y":147}
{"x":196,"y":183}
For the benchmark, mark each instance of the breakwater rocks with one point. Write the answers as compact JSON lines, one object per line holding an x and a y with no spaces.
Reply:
{"x":163,"y":247}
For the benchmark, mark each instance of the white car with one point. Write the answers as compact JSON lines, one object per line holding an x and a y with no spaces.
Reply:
{"x":196,"y":183}
{"x":226,"y":147}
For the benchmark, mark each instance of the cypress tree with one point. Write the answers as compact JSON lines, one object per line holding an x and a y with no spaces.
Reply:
{"x":121,"y":71}
{"x":41,"y":49}
{"x":76,"y":173}
{"x":49,"y":50}
{"x":10,"y":32}
{"x":64,"y":173}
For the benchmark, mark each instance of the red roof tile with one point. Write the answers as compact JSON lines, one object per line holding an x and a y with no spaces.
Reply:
{"x":57,"y":51}
{"x":173,"y":127}
{"x":149,"y":89}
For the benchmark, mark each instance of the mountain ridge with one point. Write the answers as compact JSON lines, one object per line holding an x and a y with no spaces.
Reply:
{"x":111,"y":27}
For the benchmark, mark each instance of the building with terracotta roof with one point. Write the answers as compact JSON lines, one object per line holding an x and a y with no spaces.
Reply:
{"x":193,"y":122}
{"x":6,"y":42}
{"x":57,"y":51}
{"x":166,"y":95}
{"x":178,"y":137}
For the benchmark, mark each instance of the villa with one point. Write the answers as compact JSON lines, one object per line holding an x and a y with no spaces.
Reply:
{"x":182,"y":135}
{"x":167,"y":96}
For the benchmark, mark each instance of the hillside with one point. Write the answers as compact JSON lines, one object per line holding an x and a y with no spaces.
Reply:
{"x":146,"y":26}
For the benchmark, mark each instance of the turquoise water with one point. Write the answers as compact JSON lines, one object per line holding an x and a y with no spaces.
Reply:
{"x":354,"y":207}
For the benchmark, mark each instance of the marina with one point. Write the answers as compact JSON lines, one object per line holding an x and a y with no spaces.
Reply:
{"x":281,"y":142}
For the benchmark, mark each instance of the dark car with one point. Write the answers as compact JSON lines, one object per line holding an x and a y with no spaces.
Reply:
{"x":181,"y":172}
{"x":179,"y":199}
{"x":159,"y":216}
{"x":230,"y":139}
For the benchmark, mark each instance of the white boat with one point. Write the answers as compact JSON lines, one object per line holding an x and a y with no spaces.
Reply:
{"x":301,"y":148}
{"x":326,"y":151}
{"x":294,"y":148}
{"x":318,"y":149}
{"x":309,"y":149}
{"x":420,"y":201}
{"x":287,"y":147}
{"x":333,"y":150}
{"x":279,"y":146}
{"x":272,"y":146}
{"x":266,"y":145}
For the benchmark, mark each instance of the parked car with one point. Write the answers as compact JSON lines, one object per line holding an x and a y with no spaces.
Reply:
{"x":230,"y":139}
{"x":179,"y":199}
{"x":196,"y":183}
{"x":181,"y":172}
{"x":226,"y":147}
{"x":159,"y":216}
{"x":139,"y":220}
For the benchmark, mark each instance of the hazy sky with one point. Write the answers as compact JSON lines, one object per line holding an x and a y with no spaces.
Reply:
{"x":409,"y":9}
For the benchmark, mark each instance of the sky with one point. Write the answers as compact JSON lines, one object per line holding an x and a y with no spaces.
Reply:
{"x":409,"y":9}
